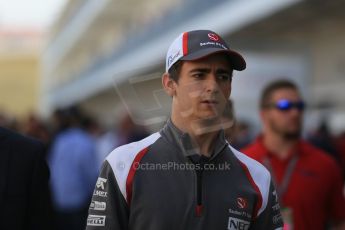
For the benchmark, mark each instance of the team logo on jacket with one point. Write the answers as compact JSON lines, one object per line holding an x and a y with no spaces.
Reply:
{"x":237,"y":224}
{"x":101,"y":182}
{"x":242,"y":203}
{"x":95,"y":220}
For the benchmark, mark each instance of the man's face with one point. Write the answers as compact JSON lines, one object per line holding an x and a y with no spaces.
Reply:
{"x":284,"y":116}
{"x":203,"y":88}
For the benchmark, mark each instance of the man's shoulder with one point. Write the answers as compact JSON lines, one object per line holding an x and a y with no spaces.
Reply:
{"x":250,"y":163}
{"x":250,"y":149}
{"x":317,"y":155}
{"x":19,"y":141}
{"x":128,"y":152}
{"x":21,"y":148}
{"x":120,"y":162}
{"x":254,"y":150}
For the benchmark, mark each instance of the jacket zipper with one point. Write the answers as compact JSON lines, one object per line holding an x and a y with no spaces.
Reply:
{"x":199,"y":178}
{"x":199,"y":206}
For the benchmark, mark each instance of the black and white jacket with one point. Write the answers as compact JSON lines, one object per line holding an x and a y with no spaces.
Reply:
{"x":162,"y":183}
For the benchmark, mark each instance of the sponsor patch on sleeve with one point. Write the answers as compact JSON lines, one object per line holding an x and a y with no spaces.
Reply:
{"x":99,"y":206}
{"x":95,"y":220}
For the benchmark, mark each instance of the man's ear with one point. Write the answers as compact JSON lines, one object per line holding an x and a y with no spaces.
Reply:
{"x":168,"y":84}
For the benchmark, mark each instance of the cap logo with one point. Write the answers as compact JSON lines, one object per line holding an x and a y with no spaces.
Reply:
{"x":172,"y":57}
{"x":213,"y":37}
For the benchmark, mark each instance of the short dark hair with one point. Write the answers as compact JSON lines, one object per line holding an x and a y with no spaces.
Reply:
{"x":272,"y":87}
{"x":175,"y":70}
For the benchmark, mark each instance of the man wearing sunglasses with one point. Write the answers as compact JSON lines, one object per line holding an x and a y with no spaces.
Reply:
{"x":308,"y":182}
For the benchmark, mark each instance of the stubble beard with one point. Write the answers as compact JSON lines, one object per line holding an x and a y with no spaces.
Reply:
{"x":288,"y":135}
{"x":208,"y":124}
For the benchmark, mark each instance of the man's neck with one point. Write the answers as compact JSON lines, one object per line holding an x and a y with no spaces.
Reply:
{"x":278,"y":145}
{"x":202,"y":134}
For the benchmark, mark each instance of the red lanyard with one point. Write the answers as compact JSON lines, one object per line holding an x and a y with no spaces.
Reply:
{"x":282,"y":187}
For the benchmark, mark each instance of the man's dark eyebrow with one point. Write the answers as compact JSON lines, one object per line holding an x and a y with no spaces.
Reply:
{"x":207,"y":70}
{"x":202,"y":70}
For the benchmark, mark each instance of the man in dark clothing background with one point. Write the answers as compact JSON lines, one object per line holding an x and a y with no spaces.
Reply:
{"x":24,"y":191}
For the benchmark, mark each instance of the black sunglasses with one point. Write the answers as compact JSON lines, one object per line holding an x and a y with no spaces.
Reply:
{"x":285,"y":105}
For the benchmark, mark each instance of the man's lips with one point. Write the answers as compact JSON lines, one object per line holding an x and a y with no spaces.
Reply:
{"x":209,"y":102}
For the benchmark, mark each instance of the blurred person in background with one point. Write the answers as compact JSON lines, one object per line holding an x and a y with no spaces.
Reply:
{"x":308,"y":181}
{"x":105,"y":143}
{"x":126,"y":131}
{"x":129,"y":132}
{"x":25,"y":199}
{"x":236,"y":132}
{"x":166,"y":181}
{"x":74,"y":169}
{"x":337,"y":128}
{"x":36,"y":128}
{"x":229,"y":123}
{"x":242,"y":135}
{"x":8,"y":121}
{"x":323,"y":139}
{"x":340,"y":144}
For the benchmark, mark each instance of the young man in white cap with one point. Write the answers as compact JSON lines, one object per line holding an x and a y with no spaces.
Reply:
{"x":187,"y":176}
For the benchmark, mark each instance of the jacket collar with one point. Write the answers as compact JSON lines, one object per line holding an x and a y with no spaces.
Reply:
{"x":183,"y":140}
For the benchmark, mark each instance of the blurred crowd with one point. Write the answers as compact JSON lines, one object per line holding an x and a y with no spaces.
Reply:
{"x":333,"y":144}
{"x":105,"y":138}
{"x":125,"y":131}
{"x":76,"y":147}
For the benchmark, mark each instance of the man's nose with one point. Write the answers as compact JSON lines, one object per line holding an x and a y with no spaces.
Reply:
{"x":212,"y":84}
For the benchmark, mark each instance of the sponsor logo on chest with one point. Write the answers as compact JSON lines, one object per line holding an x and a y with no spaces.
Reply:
{"x":237,"y":224}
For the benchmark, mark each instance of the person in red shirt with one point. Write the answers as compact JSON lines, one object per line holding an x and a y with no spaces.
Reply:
{"x":308,"y":181}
